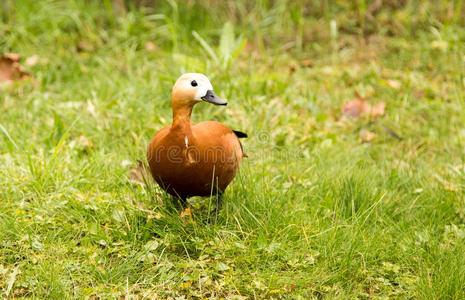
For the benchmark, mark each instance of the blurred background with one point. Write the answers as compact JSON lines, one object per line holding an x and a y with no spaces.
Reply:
{"x":300,"y":59}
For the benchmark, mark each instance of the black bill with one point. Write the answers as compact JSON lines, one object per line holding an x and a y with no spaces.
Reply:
{"x":211,"y":97}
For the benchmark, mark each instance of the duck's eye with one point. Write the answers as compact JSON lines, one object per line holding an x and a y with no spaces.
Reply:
{"x":194,"y":83}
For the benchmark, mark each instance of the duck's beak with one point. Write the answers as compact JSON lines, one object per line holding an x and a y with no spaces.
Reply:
{"x":211,"y":97}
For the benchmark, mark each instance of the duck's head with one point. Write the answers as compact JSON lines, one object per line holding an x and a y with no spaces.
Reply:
{"x":192,"y":88}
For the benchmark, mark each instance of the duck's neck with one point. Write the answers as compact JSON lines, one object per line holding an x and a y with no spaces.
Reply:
{"x":182,"y":118}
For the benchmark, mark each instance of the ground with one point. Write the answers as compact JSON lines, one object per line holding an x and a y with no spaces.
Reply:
{"x":355,"y":181}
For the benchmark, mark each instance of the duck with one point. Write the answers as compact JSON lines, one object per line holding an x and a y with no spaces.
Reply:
{"x":202,"y":159}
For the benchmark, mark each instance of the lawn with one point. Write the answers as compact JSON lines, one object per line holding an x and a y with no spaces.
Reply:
{"x":355,"y":181}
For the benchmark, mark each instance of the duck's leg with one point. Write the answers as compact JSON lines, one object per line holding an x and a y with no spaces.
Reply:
{"x":183,"y":201}
{"x":213,"y":215}
{"x":218,"y":205}
{"x":219,"y":202}
{"x":179,"y":202}
{"x":185,"y":209}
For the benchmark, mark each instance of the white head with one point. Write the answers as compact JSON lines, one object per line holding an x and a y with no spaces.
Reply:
{"x":192,"y":88}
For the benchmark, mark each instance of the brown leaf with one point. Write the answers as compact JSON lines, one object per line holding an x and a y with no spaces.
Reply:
{"x":150,"y":47}
{"x":355,"y":108}
{"x":419,"y":93}
{"x":82,"y":143}
{"x":359,"y":106}
{"x":290,"y":287}
{"x":307,"y":63}
{"x":85,"y":143}
{"x":10,"y":69}
{"x":367,"y":136}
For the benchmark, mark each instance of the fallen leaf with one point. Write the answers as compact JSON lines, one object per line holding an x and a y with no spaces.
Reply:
{"x":150,"y":46}
{"x":222,"y":266}
{"x":206,"y":281}
{"x":367,"y":136}
{"x":151,"y":245}
{"x":37,"y":245}
{"x":273,"y":247}
{"x":355,"y":108}
{"x":81,"y":143}
{"x":359,"y":106}
{"x":118,"y":215}
{"x":259,"y":285}
{"x":307,"y":63}
{"x":11,"y":280}
{"x":10,"y":69}
{"x":85,"y":143}
{"x":419,"y":93}
{"x":148,"y":258}
{"x":102,"y":243}
{"x":290,"y":287}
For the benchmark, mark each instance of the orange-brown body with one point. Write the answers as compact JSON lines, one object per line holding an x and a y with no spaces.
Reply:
{"x":193,"y":160}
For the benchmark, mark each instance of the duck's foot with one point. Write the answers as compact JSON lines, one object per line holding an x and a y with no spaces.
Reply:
{"x":186,"y":213}
{"x":179,"y":203}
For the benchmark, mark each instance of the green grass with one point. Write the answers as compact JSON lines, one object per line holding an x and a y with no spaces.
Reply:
{"x":314,"y":213}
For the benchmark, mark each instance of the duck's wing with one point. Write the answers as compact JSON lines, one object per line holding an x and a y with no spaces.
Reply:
{"x":209,"y":131}
{"x":240,"y":134}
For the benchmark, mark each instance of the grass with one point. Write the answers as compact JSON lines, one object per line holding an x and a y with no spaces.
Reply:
{"x":314,"y":212}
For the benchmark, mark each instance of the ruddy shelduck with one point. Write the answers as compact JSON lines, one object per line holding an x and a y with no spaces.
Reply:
{"x":189,"y":160}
